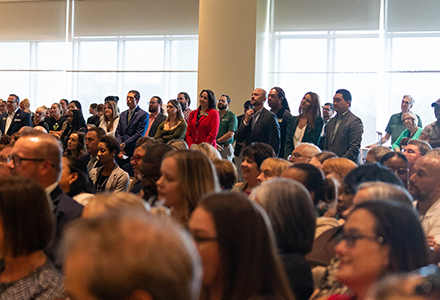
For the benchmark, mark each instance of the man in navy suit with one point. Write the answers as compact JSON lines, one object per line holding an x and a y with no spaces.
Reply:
{"x":259,"y":124}
{"x":132,"y":124}
{"x":38,"y":156}
{"x":14,"y":118}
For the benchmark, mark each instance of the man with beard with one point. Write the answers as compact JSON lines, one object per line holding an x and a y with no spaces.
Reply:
{"x":185,"y":102}
{"x":156,"y":116}
{"x":424,"y":186}
{"x":227,"y":128}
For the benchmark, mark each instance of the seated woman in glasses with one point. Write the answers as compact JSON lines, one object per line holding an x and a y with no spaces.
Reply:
{"x":398,"y":163}
{"x":410,"y":121}
{"x":379,"y":238}
{"x":26,"y":230}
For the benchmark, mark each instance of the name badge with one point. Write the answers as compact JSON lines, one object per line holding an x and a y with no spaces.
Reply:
{"x":17,"y":120}
{"x":205,"y":114}
{"x":225,"y":120}
{"x":4,"y":118}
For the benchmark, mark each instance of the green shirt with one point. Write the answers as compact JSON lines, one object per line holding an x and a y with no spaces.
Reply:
{"x":395,"y":126}
{"x":227,"y":123}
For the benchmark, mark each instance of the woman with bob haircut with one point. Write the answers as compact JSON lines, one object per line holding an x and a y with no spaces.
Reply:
{"x":203,"y":123}
{"x":238,"y":251}
{"x":413,"y":132}
{"x":272,"y":167}
{"x":307,"y":126}
{"x":291,"y":213}
{"x":109,"y":120}
{"x":378,"y":239}
{"x":186,"y":175}
{"x":109,"y":177}
{"x":174,"y":127}
{"x":27,"y":229}
{"x":253,"y":157}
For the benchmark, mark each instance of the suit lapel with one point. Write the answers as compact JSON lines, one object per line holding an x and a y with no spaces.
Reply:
{"x":133,"y":116}
{"x":341,"y":124}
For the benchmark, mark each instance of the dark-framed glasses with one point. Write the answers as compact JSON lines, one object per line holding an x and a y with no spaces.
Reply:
{"x":352,"y":238}
{"x":17,"y":159}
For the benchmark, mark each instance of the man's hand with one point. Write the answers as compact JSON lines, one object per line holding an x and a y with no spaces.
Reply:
{"x":248,"y":116}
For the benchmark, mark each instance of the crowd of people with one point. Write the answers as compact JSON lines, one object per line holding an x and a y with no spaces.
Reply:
{"x":176,"y":203}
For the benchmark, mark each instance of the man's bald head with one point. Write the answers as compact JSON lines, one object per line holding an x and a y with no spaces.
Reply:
{"x":304,"y":153}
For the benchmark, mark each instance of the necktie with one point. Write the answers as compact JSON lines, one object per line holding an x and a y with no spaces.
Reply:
{"x":130,"y":113}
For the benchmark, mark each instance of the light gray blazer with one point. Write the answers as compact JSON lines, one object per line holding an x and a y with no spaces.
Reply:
{"x":117,"y":182}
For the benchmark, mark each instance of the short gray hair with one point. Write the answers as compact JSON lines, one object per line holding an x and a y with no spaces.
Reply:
{"x":385,"y":191}
{"x":152,"y":254}
{"x":411,"y":99}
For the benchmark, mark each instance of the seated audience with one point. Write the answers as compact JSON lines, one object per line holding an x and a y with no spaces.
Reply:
{"x":379,"y":238}
{"x":2,"y":106}
{"x":226,"y":173}
{"x":174,"y":127}
{"x":291,"y":213}
{"x":75,"y":122}
{"x":155,"y":259}
{"x":253,"y":157}
{"x":4,"y":159}
{"x":319,"y":158}
{"x":38,"y":118}
{"x":307,"y":127}
{"x":272,"y":167}
{"x":94,"y":119}
{"x":207,"y":149}
{"x":107,"y":202}
{"x":375,"y":154}
{"x":414,"y":150}
{"x":27,"y":227}
{"x":412,"y":131}
{"x":56,"y":120}
{"x":75,"y":180}
{"x":403,"y":143}
{"x":25,"y":105}
{"x":186,"y":175}
{"x":178,"y":144}
{"x":397,"y":162}
{"x":237,"y":249}
{"x":303,"y":153}
{"x":93,"y":137}
{"x":76,"y":145}
{"x":110,"y":119}
{"x":109,"y":177}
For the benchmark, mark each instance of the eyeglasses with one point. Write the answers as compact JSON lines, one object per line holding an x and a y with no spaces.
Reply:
{"x":3,"y":159}
{"x":351,"y":239}
{"x":17,"y":159}
{"x":401,"y":171}
{"x":136,"y":158}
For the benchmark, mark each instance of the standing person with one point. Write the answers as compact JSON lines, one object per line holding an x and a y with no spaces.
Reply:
{"x":307,"y":126}
{"x":259,"y":124}
{"x":38,"y":119}
{"x":185,"y":102}
{"x":174,"y":127}
{"x":204,"y":122}
{"x":25,"y":105}
{"x":238,"y":151}
{"x":110,"y":119}
{"x":327,"y":114}
{"x":94,"y":119}
{"x":156,"y":116}
{"x":56,"y":120}
{"x":431,"y":133}
{"x":2,"y":106}
{"x":343,"y":133}
{"x":227,"y":128}
{"x":412,"y":131}
{"x":280,"y":107}
{"x":64,"y":109}
{"x":109,"y":177}
{"x":132,"y":124}
{"x":396,"y":125}
{"x":14,"y":118}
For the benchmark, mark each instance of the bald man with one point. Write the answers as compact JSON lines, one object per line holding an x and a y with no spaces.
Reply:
{"x":304,"y":153}
{"x":424,"y":186}
{"x":259,"y":124}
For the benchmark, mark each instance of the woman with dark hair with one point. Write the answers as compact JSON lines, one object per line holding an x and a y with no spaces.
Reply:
{"x":238,"y":250}
{"x":253,"y":157}
{"x":26,"y":230}
{"x":398,"y":163}
{"x":110,"y":119}
{"x":203,"y":123}
{"x":109,"y":177}
{"x":292,"y":215}
{"x":379,"y":238}
{"x":174,"y":127}
{"x":186,"y":175}
{"x":76,"y":147}
{"x":75,"y":122}
{"x":75,"y":105}
{"x":75,"y":180}
{"x":307,"y":126}
{"x":280,"y":107}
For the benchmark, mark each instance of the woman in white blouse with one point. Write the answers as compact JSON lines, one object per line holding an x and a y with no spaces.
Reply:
{"x":110,"y":118}
{"x":307,"y":126}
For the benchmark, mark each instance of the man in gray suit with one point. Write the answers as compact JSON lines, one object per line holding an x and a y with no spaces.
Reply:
{"x":259,"y":124}
{"x":343,"y":133}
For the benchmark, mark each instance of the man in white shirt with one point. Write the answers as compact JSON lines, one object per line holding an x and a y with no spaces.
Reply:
{"x":14,"y":118}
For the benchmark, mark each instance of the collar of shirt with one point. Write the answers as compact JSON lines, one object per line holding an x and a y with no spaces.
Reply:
{"x":13,"y":113}
{"x":49,"y":190}
{"x":257,"y":113}
{"x":340,"y":116}
{"x":132,"y":110}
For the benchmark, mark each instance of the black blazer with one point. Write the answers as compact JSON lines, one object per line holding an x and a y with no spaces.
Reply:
{"x":21,"y":118}
{"x":159,"y":119}
{"x":266,"y":130}
{"x":346,"y":141}
{"x":310,"y":135}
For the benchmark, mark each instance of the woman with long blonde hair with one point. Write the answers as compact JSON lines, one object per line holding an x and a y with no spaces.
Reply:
{"x":110,"y":119}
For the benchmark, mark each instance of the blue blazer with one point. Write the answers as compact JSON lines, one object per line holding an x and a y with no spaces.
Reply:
{"x":21,"y":118}
{"x":130,"y":132}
